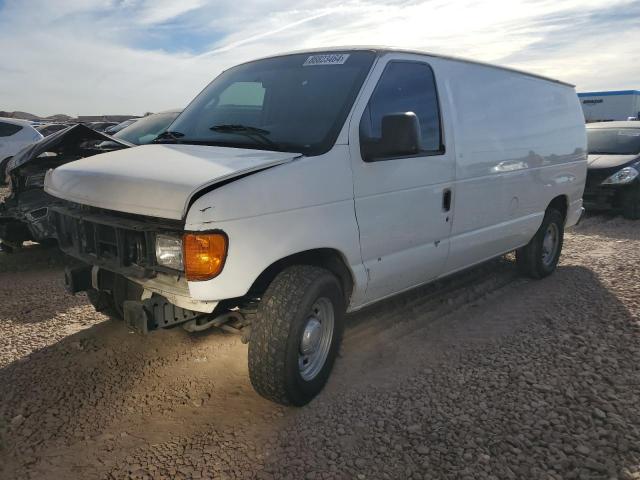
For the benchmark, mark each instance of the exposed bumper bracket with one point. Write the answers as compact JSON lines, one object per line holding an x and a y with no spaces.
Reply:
{"x":155,"y":312}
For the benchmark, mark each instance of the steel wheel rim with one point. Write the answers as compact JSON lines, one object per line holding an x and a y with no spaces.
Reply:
{"x":315,"y":341}
{"x":550,"y":244}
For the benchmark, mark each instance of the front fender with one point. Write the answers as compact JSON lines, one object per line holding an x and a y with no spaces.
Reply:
{"x":302,"y":205}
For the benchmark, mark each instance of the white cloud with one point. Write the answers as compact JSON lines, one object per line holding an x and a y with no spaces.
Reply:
{"x":157,"y":11}
{"x":122,"y":56}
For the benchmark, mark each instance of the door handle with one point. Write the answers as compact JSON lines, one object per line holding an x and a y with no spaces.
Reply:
{"x":446,"y":200}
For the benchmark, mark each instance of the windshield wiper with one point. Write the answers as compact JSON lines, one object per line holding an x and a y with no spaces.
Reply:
{"x":248,"y":131}
{"x":167,"y":136}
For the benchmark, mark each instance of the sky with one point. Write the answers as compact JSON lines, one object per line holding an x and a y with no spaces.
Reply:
{"x":89,"y":57}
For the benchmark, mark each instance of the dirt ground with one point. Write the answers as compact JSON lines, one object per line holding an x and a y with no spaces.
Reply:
{"x":483,"y":375}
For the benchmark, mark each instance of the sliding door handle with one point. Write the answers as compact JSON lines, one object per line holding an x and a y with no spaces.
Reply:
{"x":446,"y":200}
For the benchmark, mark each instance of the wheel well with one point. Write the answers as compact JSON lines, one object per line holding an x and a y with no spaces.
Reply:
{"x":560,"y":203}
{"x":327,"y":258}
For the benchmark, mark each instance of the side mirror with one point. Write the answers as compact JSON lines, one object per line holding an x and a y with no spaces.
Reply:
{"x":400,"y":137}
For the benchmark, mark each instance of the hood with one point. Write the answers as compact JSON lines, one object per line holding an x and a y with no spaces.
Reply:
{"x":598,"y":161}
{"x":66,"y":140}
{"x":154,"y":180}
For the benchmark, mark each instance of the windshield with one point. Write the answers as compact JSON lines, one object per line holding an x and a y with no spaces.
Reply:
{"x":614,"y":141}
{"x":146,"y":129}
{"x":294,"y":103}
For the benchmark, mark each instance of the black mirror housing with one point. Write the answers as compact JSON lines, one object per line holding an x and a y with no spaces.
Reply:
{"x":400,"y":137}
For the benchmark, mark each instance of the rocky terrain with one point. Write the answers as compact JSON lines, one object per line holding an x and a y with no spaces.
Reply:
{"x":483,"y":375}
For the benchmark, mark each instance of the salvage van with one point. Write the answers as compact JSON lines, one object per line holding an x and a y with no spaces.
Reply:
{"x":299,"y":187}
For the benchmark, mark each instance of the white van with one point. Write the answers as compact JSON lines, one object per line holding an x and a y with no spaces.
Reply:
{"x":299,"y":187}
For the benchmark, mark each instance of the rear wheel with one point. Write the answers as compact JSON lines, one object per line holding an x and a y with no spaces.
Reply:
{"x":540,"y":256}
{"x":296,"y":335}
{"x":631,"y":202}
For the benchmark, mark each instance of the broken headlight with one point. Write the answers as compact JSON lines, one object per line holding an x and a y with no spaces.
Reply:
{"x":169,"y":251}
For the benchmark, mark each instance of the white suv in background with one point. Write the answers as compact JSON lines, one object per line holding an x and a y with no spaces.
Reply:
{"x":14,"y":135}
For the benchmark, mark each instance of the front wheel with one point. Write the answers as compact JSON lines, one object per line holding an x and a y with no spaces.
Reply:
{"x":296,"y":335}
{"x":540,"y":256}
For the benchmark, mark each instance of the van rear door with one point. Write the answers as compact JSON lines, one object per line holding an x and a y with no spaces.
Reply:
{"x":402,"y":199}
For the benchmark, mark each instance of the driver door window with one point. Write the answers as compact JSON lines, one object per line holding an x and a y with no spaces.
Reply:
{"x":405,"y":87}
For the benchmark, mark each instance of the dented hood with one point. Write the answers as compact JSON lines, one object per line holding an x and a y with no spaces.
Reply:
{"x":154,"y":180}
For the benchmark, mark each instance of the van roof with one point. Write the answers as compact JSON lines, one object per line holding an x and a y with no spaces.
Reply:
{"x":619,"y":124}
{"x":385,"y":49}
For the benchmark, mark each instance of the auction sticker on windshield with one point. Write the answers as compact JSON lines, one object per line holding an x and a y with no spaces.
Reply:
{"x":326,"y":59}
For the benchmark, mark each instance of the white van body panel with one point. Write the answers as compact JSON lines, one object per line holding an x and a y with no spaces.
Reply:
{"x":508,"y":154}
{"x":303,"y":205}
{"x":520,"y":142}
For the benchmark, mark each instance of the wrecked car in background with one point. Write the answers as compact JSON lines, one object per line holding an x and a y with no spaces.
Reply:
{"x":51,"y":128}
{"x":24,"y":214}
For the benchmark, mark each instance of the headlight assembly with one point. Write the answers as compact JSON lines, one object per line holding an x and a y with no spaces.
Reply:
{"x":623,"y":176}
{"x":169,"y":251}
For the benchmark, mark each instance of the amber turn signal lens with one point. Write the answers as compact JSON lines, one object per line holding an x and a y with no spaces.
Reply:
{"x":204,"y":255}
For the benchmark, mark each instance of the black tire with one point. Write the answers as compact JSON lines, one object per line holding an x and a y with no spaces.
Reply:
{"x":281,"y":318}
{"x":631,"y":202}
{"x":530,"y":257}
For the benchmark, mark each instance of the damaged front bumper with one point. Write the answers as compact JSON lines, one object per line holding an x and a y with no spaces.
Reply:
{"x":151,"y":311}
{"x":108,"y":245}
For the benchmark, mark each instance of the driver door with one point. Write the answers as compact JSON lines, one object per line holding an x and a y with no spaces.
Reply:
{"x":403,"y":202}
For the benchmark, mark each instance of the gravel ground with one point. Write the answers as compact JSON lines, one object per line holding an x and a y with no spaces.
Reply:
{"x":484,"y":375}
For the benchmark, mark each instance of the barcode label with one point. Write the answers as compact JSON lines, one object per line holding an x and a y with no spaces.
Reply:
{"x":326,"y":59}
